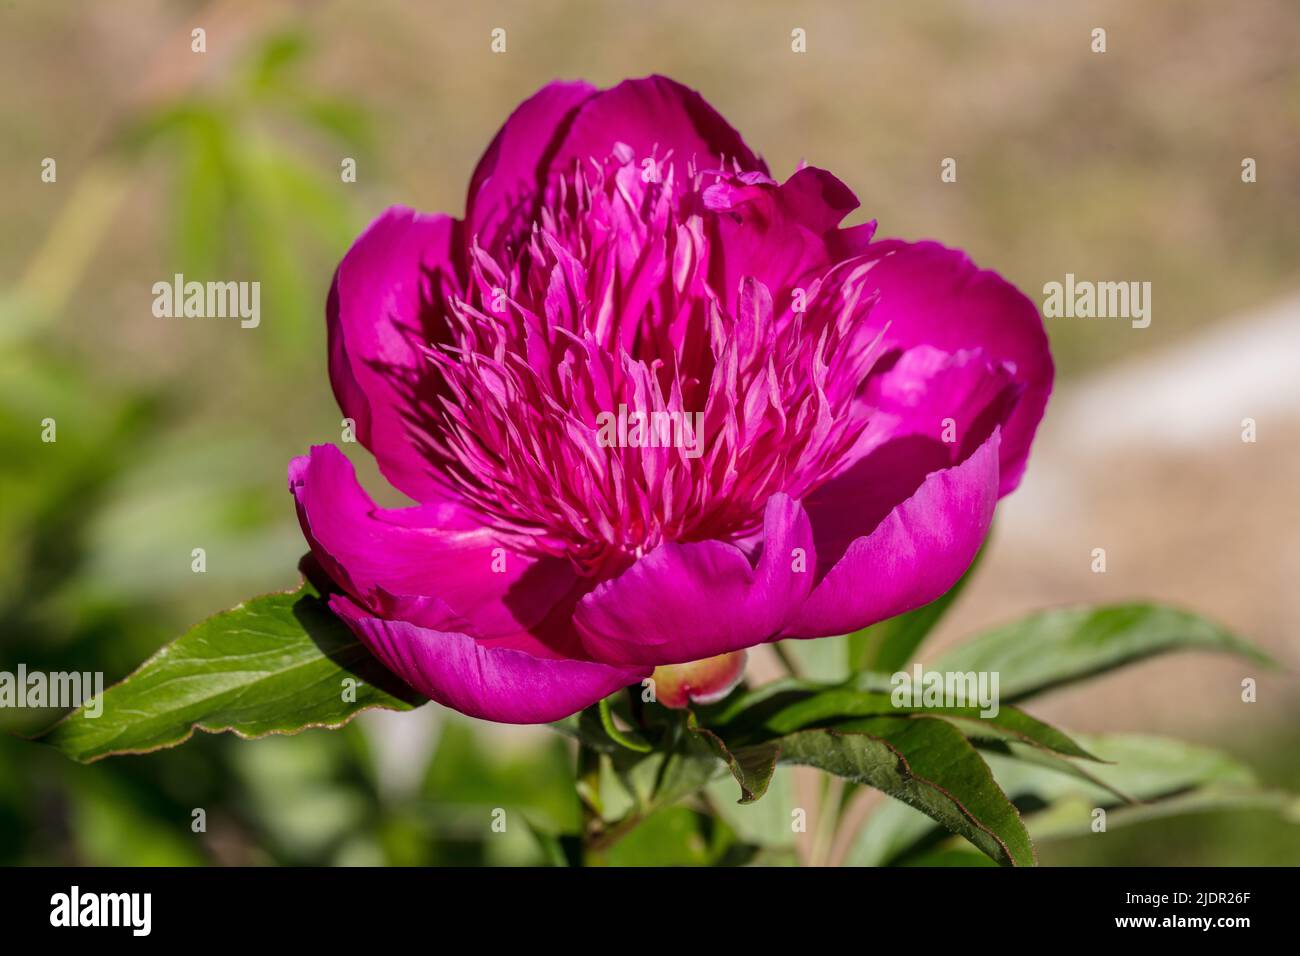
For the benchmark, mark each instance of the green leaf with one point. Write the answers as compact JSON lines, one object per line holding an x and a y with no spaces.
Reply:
{"x":885,"y":647}
{"x":761,"y":699}
{"x":752,"y":767}
{"x":927,"y":764}
{"x":1012,"y":723}
{"x":273,"y":665}
{"x":1064,"y":645}
{"x":1073,"y":817}
{"x":1162,"y":772}
{"x":688,"y":768}
{"x":798,"y":708}
{"x":1170,"y":777}
{"x":1147,"y":767}
{"x":1005,"y":746}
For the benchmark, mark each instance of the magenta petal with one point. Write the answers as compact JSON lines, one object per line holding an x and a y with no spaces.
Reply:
{"x":684,"y":602}
{"x":655,"y":115}
{"x":929,"y":410}
{"x":916,"y":553}
{"x":785,"y":236}
{"x":378,"y":555}
{"x":929,"y":393}
{"x":699,"y":682}
{"x":379,"y":314}
{"x":932,"y":295}
{"x":512,"y":170}
{"x":493,"y":682}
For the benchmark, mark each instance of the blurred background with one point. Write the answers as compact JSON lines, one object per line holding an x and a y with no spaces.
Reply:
{"x":174,"y":435}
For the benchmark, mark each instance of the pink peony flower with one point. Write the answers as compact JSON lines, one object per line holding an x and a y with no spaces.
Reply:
{"x":837,"y":416}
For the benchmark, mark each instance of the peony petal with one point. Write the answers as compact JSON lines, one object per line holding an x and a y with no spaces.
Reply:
{"x":513,"y":169}
{"x":498,"y":682}
{"x":654,"y":115}
{"x":785,"y":236}
{"x":931,"y":393}
{"x":379,"y":313}
{"x":684,"y":602}
{"x":932,"y":295}
{"x":379,"y":556}
{"x":914,"y":555}
{"x":699,"y":682}
{"x":929,"y":410}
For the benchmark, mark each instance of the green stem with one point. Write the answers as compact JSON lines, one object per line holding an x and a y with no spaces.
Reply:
{"x":616,"y":735}
{"x":787,"y":661}
{"x":603,"y":840}
{"x":588,"y":787}
{"x":827,"y":822}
